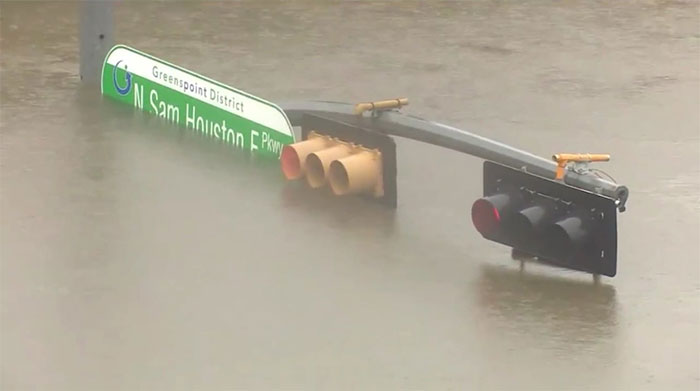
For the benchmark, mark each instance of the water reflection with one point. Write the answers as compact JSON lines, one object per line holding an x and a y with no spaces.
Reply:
{"x":131,"y":248}
{"x":356,"y":216}
{"x":558,"y":308}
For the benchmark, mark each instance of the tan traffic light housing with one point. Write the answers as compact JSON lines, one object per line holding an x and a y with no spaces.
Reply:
{"x":318,"y":163}
{"x":359,"y":173}
{"x":343,"y":156}
{"x":294,"y":156}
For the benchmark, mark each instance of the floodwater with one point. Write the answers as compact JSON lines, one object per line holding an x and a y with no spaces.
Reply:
{"x":137,"y":257}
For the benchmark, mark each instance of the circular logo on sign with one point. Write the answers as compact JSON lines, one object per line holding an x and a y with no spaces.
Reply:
{"x":121,"y":90}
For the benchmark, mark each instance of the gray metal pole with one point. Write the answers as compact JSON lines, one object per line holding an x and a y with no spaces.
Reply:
{"x":395,"y":123}
{"x":96,"y":37}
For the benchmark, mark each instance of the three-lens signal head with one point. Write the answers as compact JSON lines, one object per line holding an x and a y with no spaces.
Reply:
{"x":347,"y":158}
{"x":557,"y":223}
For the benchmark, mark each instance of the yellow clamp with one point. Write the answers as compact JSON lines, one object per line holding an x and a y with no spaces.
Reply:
{"x":380,"y":105}
{"x":563,"y":159}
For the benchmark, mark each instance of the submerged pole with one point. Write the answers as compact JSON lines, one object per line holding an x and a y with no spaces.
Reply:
{"x":96,"y":37}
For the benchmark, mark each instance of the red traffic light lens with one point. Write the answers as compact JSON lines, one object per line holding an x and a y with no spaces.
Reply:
{"x":289,"y":160}
{"x":485,"y":216}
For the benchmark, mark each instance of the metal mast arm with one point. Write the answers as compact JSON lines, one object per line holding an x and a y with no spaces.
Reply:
{"x":419,"y":129}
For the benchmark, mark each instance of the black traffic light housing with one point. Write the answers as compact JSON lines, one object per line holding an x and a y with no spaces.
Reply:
{"x":559,"y":224}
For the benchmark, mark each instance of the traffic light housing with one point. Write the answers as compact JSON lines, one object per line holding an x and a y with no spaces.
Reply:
{"x":345,"y":157}
{"x":557,"y":223}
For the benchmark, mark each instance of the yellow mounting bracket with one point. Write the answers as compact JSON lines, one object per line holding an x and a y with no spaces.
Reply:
{"x":380,"y":105}
{"x":578,"y":159}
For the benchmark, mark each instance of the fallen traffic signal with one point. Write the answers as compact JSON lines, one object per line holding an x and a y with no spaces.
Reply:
{"x":548,"y":219}
{"x":569,"y":221}
{"x":348,"y":158}
{"x":348,"y":149}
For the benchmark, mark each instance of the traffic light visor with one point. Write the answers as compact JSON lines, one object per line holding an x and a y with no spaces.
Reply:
{"x":485,"y":216}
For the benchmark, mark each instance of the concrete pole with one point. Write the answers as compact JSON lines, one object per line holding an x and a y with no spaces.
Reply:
{"x":96,"y":37}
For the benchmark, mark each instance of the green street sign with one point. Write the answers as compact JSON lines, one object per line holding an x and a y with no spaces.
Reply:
{"x":205,"y":106}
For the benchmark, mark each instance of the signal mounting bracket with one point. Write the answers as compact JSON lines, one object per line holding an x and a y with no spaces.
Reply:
{"x":377,"y":107}
{"x":577,"y":162}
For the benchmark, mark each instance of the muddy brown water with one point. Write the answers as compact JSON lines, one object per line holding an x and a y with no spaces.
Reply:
{"x":137,"y":257}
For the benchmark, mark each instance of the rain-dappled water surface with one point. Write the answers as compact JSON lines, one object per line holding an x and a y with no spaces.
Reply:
{"x":136,"y":256}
